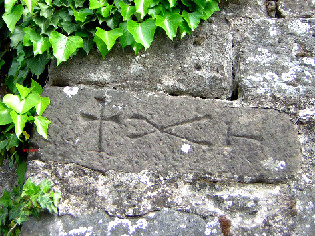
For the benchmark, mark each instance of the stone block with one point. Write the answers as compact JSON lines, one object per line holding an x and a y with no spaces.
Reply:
{"x":296,"y":8}
{"x":275,"y":62}
{"x":243,"y":8}
{"x":198,"y":65}
{"x":106,"y":129}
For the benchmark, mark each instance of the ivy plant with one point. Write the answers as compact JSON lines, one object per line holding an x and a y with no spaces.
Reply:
{"x":16,"y":207}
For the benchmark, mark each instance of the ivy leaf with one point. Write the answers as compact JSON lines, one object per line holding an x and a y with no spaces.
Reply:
{"x":6,"y":200}
{"x":56,"y":197}
{"x":45,"y":186}
{"x":127,"y":38}
{"x":193,"y":19}
{"x":172,"y":2}
{"x":19,"y":122}
{"x":63,"y":46}
{"x":170,"y":23}
{"x":126,"y":10}
{"x":30,"y":5}
{"x":8,"y":4}
{"x":209,"y":9}
{"x":101,"y":46}
{"x":48,"y":2}
{"x":94,"y":4}
{"x":21,"y":106}
{"x":82,"y":14}
{"x":109,"y":37}
{"x":38,"y":63}
{"x":5,"y":117}
{"x":184,"y":29}
{"x":17,"y":36}
{"x":201,"y":3}
{"x":30,"y":188}
{"x":142,"y":6}
{"x":24,"y":91}
{"x":13,"y":17}
{"x":45,"y":203}
{"x":142,"y":32}
{"x":42,"y":105}
{"x":45,"y":10}
{"x":42,"y":125}
{"x":20,"y":171}
{"x":13,"y":141}
{"x":105,"y":11}
{"x":36,"y":88}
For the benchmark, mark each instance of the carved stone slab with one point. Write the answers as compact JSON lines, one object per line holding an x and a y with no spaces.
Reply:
{"x":131,"y":132}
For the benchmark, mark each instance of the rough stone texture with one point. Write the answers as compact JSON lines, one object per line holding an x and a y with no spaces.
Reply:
{"x":278,"y":71}
{"x":272,"y":66}
{"x":8,"y":177}
{"x":296,"y":8}
{"x":130,"y":132}
{"x":173,"y":222}
{"x":199,"y":65}
{"x":242,"y":8}
{"x":254,"y":208}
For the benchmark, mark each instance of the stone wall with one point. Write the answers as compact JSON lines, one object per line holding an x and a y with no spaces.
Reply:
{"x":209,"y":135}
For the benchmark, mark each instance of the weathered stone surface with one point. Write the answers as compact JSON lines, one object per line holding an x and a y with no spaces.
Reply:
{"x":277,"y":71}
{"x":243,"y":8}
{"x":251,"y":208}
{"x":8,"y":177}
{"x":166,"y":222}
{"x":130,"y":132}
{"x":198,"y":65}
{"x":297,"y":8}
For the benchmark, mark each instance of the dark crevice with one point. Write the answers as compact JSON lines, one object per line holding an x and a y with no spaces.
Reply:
{"x":273,"y":9}
{"x":235,"y":92}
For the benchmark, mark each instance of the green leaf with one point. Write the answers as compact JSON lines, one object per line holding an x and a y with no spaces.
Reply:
{"x":20,"y":171}
{"x":5,"y":117}
{"x":21,"y":106}
{"x":19,"y":121}
{"x":38,"y":63}
{"x":30,"y":5}
{"x":105,"y":11}
{"x":6,"y":200}
{"x":109,"y":37}
{"x":172,"y":2}
{"x":82,"y":14}
{"x":94,"y":4}
{"x":184,"y":29}
{"x":8,"y":4}
{"x":13,"y":17}
{"x":56,"y":197}
{"x":48,"y":2}
{"x":24,"y":91}
{"x":45,"y":186}
{"x":13,"y":141}
{"x":126,"y":10}
{"x":142,"y":32}
{"x":142,"y":6}
{"x":41,"y":107}
{"x":42,"y":125}
{"x":193,"y":19}
{"x":45,"y":10}
{"x":63,"y":46}
{"x":210,"y":7}
{"x":46,"y":203}
{"x":30,"y":188}
{"x":17,"y":36}
{"x":170,"y":23}
{"x":36,"y":88}
{"x":201,"y":3}
{"x":101,"y":46}
{"x":127,"y":38}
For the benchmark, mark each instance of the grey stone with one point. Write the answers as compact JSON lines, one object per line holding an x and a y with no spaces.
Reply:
{"x":198,"y":65}
{"x":127,"y":195}
{"x":275,"y":63}
{"x":118,"y":130}
{"x":296,"y":8}
{"x":161,"y":223}
{"x":8,"y":177}
{"x":243,"y":8}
